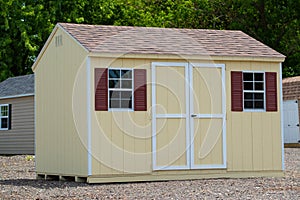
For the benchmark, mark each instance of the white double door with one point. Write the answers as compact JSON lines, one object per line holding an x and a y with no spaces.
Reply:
{"x":291,"y":121}
{"x":188,"y":116}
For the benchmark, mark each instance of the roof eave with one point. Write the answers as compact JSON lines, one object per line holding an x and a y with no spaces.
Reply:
{"x":188,"y":57}
{"x":17,"y":96}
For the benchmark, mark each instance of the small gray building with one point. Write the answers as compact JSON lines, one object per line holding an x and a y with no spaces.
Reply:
{"x":17,"y":115}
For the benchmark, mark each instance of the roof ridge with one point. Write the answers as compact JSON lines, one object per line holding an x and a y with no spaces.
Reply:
{"x":147,"y":27}
{"x":21,"y":76}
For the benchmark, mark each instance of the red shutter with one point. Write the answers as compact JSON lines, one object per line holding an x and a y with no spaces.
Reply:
{"x":236,"y":91}
{"x":140,"y":90}
{"x":271,"y":91}
{"x":101,"y":87}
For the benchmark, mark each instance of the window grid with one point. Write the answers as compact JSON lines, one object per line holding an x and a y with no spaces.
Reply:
{"x":120,"y":90}
{"x":254,"y":90}
{"x":4,"y":113}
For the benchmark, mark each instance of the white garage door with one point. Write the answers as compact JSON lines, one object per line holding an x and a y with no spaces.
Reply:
{"x":291,"y":121}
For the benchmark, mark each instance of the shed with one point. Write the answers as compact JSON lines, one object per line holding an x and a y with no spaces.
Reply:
{"x":117,"y":104}
{"x":291,"y":109}
{"x":17,"y":115}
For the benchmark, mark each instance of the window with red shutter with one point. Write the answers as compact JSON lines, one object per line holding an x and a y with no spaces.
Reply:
{"x":115,"y":88}
{"x":253,"y":91}
{"x":236,"y":91}
{"x":271,"y":91}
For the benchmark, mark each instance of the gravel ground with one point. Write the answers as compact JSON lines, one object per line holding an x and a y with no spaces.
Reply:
{"x":17,"y":181}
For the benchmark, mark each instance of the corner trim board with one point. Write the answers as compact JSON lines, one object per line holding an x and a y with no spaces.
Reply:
{"x":89,"y":107}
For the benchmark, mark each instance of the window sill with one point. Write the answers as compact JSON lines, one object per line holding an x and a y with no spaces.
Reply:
{"x":254,"y":110}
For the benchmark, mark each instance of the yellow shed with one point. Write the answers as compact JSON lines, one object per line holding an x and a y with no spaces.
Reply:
{"x":118,"y":104}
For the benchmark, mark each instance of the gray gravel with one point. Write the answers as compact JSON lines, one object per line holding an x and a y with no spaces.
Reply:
{"x":17,"y":181}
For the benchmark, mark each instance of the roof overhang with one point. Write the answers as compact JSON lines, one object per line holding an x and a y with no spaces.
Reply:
{"x":188,"y":57}
{"x":17,"y":96}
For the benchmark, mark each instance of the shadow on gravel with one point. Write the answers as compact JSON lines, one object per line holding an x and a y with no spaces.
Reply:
{"x":41,"y":184}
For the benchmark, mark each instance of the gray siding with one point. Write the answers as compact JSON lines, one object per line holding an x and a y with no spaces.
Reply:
{"x":20,"y":138}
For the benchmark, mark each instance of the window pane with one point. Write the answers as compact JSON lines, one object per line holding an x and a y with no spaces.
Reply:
{"x":259,"y":104}
{"x":126,"y":84}
{"x":248,"y":95}
{"x":259,"y":86}
{"x":258,"y":96}
{"x":114,"y":94}
{"x":248,"y":86}
{"x":114,"y":84}
{"x":126,"y":94}
{"x":4,"y":110}
{"x":126,"y":73}
{"x":4,"y":123}
{"x":248,"y":104}
{"x":114,"y":73}
{"x":258,"y":76}
{"x":248,"y":76}
{"x":126,"y":104}
{"x":114,"y":104}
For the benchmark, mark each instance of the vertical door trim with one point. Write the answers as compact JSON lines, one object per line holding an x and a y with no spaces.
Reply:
{"x":155,"y":116}
{"x":209,"y":116}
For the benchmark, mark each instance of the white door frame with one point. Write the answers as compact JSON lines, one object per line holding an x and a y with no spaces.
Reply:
{"x":161,"y":116}
{"x":208,"y":116}
{"x":189,"y":110}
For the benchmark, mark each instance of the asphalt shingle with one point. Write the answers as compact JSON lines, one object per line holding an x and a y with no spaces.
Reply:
{"x":149,"y":40}
{"x":19,"y":85}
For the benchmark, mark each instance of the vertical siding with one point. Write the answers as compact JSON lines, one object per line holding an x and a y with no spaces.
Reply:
{"x":121,"y":141}
{"x":253,"y":138}
{"x":61,"y":109}
{"x":20,"y":138}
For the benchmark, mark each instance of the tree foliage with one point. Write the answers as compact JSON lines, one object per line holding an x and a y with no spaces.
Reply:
{"x":26,"y":24}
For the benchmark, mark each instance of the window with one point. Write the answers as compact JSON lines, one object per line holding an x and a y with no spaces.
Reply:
{"x":4,"y":116}
{"x":120,"y":90}
{"x":253,"y":90}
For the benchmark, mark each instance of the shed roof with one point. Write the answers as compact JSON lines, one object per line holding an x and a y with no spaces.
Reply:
{"x":149,"y":40}
{"x":291,"y":79}
{"x":17,"y":86}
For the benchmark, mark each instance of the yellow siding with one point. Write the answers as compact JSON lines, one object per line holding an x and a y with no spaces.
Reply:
{"x":253,"y":138}
{"x":60,"y":86}
{"x":121,"y":141}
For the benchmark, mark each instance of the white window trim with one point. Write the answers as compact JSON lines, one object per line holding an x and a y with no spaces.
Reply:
{"x":125,"y":89}
{"x":3,"y":105}
{"x":264,"y":91}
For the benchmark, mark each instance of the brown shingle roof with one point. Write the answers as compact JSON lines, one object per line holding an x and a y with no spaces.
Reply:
{"x":145,"y":40}
{"x":291,"y":79}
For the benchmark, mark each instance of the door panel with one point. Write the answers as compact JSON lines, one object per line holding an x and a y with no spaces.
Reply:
{"x":208,"y":142}
{"x":207,"y":90}
{"x":171,"y":142}
{"x":170,"y":90}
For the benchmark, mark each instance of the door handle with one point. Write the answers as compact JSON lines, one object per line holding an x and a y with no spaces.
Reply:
{"x":193,"y":115}
{"x":297,"y":125}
